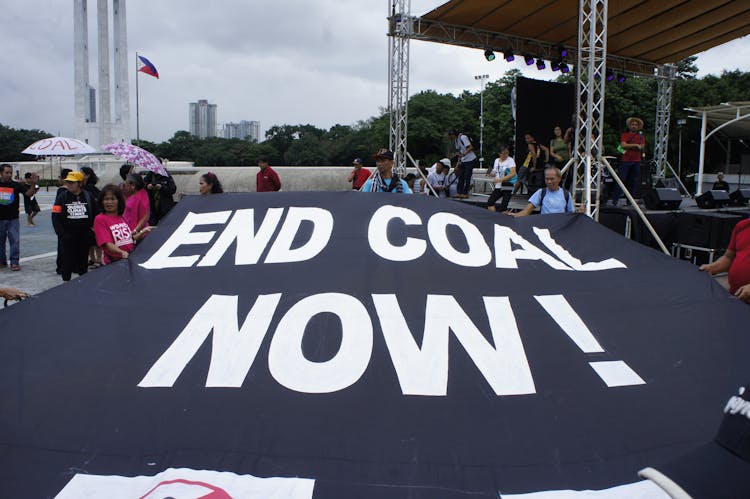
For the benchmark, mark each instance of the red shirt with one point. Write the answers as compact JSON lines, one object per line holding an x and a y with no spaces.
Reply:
{"x":632,"y":155}
{"x":360,"y":177}
{"x":268,"y":180}
{"x":739,"y":272}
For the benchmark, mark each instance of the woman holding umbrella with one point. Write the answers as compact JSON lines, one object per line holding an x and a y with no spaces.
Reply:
{"x":137,"y":205}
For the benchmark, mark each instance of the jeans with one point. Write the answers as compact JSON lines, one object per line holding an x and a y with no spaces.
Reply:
{"x":9,"y":229}
{"x":630,"y":174}
{"x":464,"y":180}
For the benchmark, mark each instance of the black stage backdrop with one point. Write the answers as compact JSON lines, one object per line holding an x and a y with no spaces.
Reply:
{"x":540,"y":105}
{"x":380,"y":345}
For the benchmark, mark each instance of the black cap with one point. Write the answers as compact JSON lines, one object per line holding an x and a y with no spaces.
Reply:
{"x":383,"y":153}
{"x":720,"y":468}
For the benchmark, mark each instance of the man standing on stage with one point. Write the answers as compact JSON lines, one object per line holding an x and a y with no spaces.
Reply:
{"x":468,"y":160}
{"x":632,"y":144}
{"x":736,"y":260}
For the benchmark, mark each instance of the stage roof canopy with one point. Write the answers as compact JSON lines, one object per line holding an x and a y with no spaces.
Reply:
{"x":732,"y":119}
{"x":653,"y":31}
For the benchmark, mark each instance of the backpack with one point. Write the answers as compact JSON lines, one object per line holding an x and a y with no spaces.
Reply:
{"x":544,"y":193}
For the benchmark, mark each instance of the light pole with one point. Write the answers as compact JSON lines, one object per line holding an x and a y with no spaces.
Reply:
{"x":481,"y":79}
{"x":680,"y":124}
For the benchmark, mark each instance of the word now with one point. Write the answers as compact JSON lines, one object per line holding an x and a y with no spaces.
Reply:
{"x":421,"y":370}
{"x":251,"y":244}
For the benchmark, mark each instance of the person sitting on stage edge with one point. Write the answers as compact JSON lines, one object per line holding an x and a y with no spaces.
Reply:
{"x":384,"y":179}
{"x":720,"y":184}
{"x":437,"y":178}
{"x":550,"y":199}
{"x":736,"y":261}
{"x":504,"y":171}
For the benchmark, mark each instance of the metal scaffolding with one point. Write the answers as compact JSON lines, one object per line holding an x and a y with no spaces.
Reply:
{"x":399,"y":33}
{"x":590,"y":70}
{"x":666,"y":75}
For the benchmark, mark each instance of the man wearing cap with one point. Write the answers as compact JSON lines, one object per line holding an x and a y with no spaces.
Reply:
{"x":720,"y":184}
{"x":359,"y":175}
{"x":736,"y":260}
{"x":73,"y":217}
{"x":632,"y":144}
{"x":437,"y":178}
{"x":384,"y":179}
{"x":9,"y":225}
{"x":468,"y":160}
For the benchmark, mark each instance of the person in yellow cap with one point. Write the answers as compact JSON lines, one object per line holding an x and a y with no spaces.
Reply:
{"x":73,"y":217}
{"x":632,"y":145}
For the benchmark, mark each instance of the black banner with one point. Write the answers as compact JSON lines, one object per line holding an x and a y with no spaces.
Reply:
{"x":380,"y":345}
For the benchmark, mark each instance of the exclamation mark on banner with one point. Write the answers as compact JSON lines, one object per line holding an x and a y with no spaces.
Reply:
{"x":613,"y":373}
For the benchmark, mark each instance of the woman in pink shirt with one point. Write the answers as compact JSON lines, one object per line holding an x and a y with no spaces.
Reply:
{"x":137,"y":206}
{"x":112,"y":232}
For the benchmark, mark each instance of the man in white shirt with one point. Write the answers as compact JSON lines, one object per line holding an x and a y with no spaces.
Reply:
{"x":468,"y":161}
{"x":437,"y":178}
{"x":504,"y":172}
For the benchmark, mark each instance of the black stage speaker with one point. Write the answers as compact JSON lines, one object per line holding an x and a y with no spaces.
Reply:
{"x":662,"y":199}
{"x":740,"y":197}
{"x":713,"y":199}
{"x":706,"y":229}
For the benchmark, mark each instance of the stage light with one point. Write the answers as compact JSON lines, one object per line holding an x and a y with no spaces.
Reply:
{"x":540,"y":64}
{"x":564,"y":69}
{"x":508,"y":54}
{"x":489,"y":55}
{"x":610,"y":75}
{"x":621,"y":78}
{"x":555,"y":65}
{"x":529,"y":59}
{"x":562,"y":51}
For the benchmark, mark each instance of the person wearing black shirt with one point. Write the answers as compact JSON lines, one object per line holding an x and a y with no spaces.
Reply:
{"x":9,"y":226}
{"x":720,"y":184}
{"x":73,"y":217}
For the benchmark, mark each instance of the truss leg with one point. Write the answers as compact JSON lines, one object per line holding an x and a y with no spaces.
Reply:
{"x":591,"y":68}
{"x":399,"y":32}
{"x":666,"y":75}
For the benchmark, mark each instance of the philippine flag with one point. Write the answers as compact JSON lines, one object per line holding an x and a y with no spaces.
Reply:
{"x":145,"y":66}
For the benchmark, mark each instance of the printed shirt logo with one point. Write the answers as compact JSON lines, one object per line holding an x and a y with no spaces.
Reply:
{"x":121,"y":234}
{"x":77,"y":211}
{"x":7,"y":195}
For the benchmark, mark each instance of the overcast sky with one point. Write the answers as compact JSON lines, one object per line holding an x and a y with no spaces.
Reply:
{"x":321,"y":62}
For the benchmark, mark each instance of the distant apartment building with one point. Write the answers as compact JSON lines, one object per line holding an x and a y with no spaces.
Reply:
{"x":245,"y":130}
{"x":202,"y":119}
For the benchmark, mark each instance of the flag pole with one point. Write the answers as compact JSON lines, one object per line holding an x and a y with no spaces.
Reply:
{"x":137,"y":106}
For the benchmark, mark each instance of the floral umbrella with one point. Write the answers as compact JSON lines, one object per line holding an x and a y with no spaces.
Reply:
{"x":137,"y":156}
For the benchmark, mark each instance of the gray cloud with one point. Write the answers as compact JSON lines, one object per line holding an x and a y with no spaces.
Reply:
{"x":277,"y":61}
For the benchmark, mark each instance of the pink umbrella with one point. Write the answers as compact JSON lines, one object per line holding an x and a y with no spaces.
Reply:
{"x":58,"y":146}
{"x":137,"y":156}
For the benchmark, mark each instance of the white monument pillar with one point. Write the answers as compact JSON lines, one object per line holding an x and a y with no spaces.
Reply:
{"x":104,"y":103}
{"x":81,"y":69}
{"x":121,"y":127}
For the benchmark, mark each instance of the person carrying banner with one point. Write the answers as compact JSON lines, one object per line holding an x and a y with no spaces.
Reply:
{"x":161,"y":190}
{"x":73,"y":217}
{"x":632,"y":144}
{"x":385,"y":179}
{"x":209,"y":184}
{"x":359,"y":175}
{"x":9,"y":225}
{"x":504,"y":171}
{"x":468,"y":160}
{"x":736,"y":261}
{"x":550,"y":199}
{"x":137,"y":204}
{"x":267,"y":179}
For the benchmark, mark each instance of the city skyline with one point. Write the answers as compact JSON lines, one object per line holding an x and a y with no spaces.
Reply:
{"x":313,"y":68}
